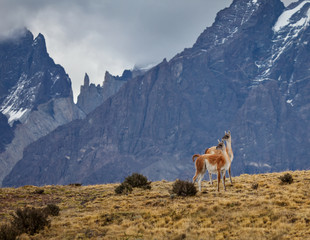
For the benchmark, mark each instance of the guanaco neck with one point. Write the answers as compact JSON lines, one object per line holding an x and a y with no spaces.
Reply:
{"x":229,"y":149}
{"x":224,"y":151}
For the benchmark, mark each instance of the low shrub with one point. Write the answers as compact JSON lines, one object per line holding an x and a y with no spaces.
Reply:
{"x":286,"y":178}
{"x":7,"y":232}
{"x":123,"y":188}
{"x":138,"y":180}
{"x":39,"y":191}
{"x":29,"y":220}
{"x":52,"y":209}
{"x":184,"y":188}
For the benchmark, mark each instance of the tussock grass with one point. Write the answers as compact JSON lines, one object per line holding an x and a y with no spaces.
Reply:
{"x":270,"y":211}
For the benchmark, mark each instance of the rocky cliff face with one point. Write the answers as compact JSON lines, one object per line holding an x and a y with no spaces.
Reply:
{"x":35,"y":96}
{"x":91,"y":96}
{"x":6,"y":133}
{"x":248,"y":72}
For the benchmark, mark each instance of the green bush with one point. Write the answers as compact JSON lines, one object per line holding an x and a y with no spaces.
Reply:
{"x":184,"y":188}
{"x":138,"y":180}
{"x":286,"y":178}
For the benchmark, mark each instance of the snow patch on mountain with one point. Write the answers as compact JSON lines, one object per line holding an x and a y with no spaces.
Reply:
{"x":250,"y":9}
{"x":290,"y":101}
{"x":15,"y":115}
{"x":285,"y":18}
{"x":287,"y":30}
{"x":259,"y":165}
{"x":21,"y":98}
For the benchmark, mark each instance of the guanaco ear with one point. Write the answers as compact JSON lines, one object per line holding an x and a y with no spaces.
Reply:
{"x":229,"y":132}
{"x":218,"y":140}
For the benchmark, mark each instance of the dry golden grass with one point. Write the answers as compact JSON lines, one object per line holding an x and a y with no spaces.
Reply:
{"x":272,"y":211}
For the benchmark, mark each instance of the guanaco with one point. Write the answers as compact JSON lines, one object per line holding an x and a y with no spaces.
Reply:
{"x":217,"y":163}
{"x":227,"y":139}
{"x":212,"y":150}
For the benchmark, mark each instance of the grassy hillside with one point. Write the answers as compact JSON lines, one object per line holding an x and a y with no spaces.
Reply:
{"x":255,"y":207}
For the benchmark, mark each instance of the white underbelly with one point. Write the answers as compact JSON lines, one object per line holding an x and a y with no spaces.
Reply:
{"x":211,"y":168}
{"x":226,"y":166}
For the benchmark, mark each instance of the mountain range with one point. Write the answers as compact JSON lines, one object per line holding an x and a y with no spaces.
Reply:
{"x":248,"y":73}
{"x":36,"y":96}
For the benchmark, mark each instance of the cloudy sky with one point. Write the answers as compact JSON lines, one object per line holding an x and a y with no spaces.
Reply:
{"x":95,"y":36}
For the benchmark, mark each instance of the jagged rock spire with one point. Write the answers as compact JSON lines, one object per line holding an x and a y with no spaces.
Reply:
{"x":86,"y":80}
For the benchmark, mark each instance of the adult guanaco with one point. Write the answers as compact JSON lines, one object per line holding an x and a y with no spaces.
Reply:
{"x":216,"y":163}
{"x":211,"y":150}
{"x":227,"y":139}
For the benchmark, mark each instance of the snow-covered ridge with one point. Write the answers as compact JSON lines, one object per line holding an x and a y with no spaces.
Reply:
{"x":287,"y":30}
{"x":21,"y":98}
{"x":285,"y":18}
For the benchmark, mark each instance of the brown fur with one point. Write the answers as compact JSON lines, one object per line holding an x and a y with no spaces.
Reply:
{"x":210,"y":150}
{"x":216,"y":159}
{"x":195,"y":156}
{"x":200,"y":166}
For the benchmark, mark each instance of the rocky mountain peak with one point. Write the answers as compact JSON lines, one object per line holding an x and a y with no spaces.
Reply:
{"x":33,"y":79}
{"x":39,"y":43}
{"x":91,"y":96}
{"x":107,"y":76}
{"x":17,"y":37}
{"x":35,"y":96}
{"x":86,"y":80}
{"x":236,"y":18}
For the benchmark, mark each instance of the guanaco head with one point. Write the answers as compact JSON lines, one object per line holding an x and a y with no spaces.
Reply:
{"x":220,"y":146}
{"x":227,"y":136}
